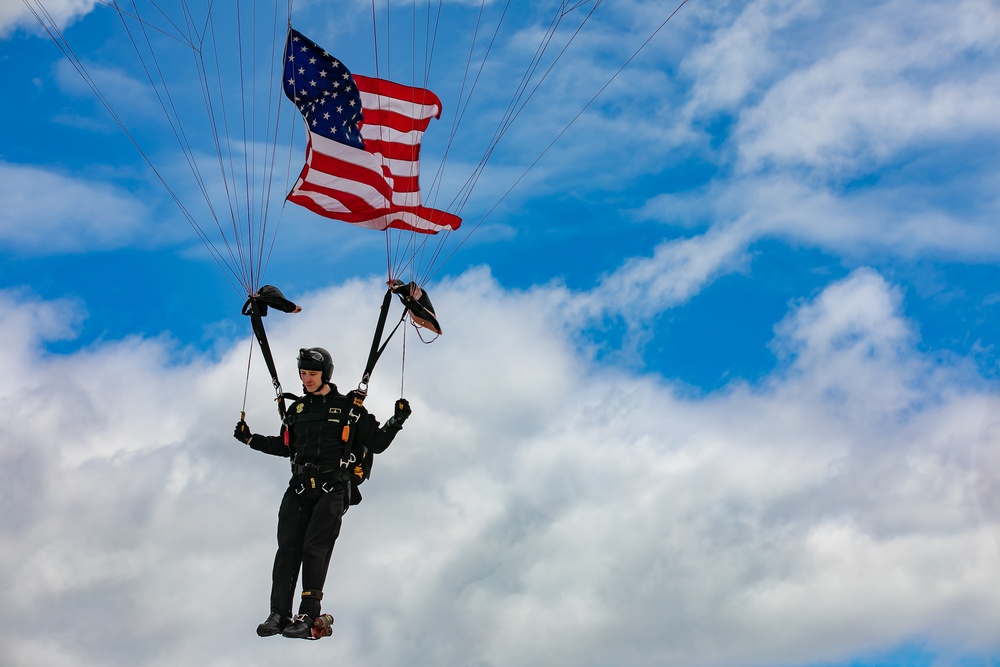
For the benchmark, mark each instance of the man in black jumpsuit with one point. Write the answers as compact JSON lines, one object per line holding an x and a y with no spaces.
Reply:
{"x":329,"y":437}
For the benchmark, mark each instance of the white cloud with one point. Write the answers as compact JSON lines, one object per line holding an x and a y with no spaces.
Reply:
{"x":858,"y":128}
{"x":896,"y":80}
{"x":540,"y":509}
{"x":677,"y":270}
{"x":133,"y":101}
{"x":46,"y":212}
{"x":843,"y":89}
{"x":739,"y":58}
{"x":905,"y":221}
{"x":909,"y":220}
{"x":861,"y":96}
{"x":13,"y":13}
{"x":537,"y":510}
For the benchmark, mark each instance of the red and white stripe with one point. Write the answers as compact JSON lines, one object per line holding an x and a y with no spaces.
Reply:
{"x":377,"y":187}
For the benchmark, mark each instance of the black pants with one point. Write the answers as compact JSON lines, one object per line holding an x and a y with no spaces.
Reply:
{"x":308,"y":527}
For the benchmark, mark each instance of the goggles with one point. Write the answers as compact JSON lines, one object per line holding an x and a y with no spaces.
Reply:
{"x":311,"y":355}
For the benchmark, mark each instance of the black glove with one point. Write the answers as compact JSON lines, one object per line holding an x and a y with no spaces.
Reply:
{"x":242,"y":432}
{"x":399,"y":416}
{"x":402,"y":411}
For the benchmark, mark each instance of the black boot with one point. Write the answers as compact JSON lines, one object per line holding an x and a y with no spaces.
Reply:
{"x":300,"y":628}
{"x":274,"y":624}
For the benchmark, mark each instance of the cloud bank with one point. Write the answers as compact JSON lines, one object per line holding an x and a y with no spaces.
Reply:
{"x":542,"y":508}
{"x":539,"y":508}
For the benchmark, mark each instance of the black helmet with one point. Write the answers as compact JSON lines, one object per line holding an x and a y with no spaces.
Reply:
{"x":316,"y":359}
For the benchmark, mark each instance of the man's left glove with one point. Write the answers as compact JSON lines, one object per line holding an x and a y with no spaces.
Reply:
{"x":242,"y":432}
{"x":402,"y":411}
{"x":399,"y":416}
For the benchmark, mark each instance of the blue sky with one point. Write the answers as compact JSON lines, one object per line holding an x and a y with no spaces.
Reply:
{"x":718,"y":379}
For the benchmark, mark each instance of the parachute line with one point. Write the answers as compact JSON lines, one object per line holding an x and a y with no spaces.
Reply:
{"x":517,"y":181}
{"x":243,"y":144}
{"x":239,"y":141}
{"x":520,"y":98}
{"x":51,"y":28}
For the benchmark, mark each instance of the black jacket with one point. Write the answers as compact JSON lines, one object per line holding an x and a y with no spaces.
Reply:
{"x":313,"y":432}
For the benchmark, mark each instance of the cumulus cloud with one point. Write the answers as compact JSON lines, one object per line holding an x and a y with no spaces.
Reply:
{"x":645,"y":286}
{"x":134,"y":101}
{"x":739,"y":58}
{"x":888,"y":84}
{"x":14,"y":13}
{"x":868,"y":94}
{"x":49,"y":212}
{"x":539,"y":509}
{"x":876,"y":78}
{"x":854,"y":128}
{"x":905,"y":220}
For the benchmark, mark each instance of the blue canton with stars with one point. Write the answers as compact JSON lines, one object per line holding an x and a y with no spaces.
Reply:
{"x":323,"y":90}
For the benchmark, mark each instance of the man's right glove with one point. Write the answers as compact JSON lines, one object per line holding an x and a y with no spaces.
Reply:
{"x":242,"y":432}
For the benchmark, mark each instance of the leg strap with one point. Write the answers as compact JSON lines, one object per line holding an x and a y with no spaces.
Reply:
{"x":312,"y":595}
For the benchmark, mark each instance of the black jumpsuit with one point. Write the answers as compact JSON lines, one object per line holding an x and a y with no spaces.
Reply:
{"x":319,"y":491}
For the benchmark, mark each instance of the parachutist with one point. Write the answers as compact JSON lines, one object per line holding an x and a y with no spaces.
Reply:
{"x":331,"y":440}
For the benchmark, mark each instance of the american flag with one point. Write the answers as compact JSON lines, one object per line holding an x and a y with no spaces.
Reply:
{"x":362,"y":160}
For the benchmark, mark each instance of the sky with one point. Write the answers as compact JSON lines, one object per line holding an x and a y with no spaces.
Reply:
{"x":718,"y":382}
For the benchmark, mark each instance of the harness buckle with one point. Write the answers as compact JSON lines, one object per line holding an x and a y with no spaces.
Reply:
{"x":309,"y":473}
